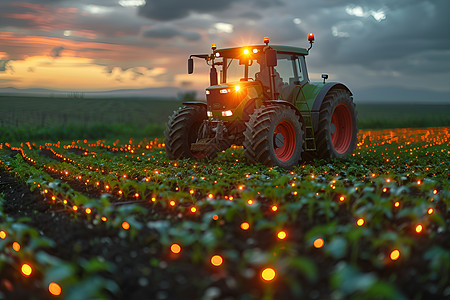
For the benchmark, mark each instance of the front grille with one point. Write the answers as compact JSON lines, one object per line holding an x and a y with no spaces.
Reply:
{"x":220,"y":101}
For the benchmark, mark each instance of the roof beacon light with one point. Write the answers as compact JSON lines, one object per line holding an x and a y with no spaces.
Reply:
{"x":310,"y":39}
{"x":213,"y":47}
{"x":266,"y":40}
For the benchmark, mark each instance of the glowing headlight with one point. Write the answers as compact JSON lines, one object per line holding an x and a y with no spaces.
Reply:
{"x":246,"y":51}
{"x":217,"y":54}
{"x":209,"y":113}
{"x":227,"y":113}
{"x":224,"y":91}
{"x":255,"y":50}
{"x":237,"y":88}
{"x":208,"y":92}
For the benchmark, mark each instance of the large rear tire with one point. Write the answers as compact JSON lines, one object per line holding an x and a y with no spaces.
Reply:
{"x":182,"y":130}
{"x":274,"y":137}
{"x":337,"y":129}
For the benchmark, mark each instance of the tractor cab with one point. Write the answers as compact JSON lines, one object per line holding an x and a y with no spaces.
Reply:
{"x":242,"y":78}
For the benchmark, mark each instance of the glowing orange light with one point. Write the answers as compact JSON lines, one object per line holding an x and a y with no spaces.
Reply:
{"x":237,"y":88}
{"x":268,"y":274}
{"x":318,"y":243}
{"x":397,"y":204}
{"x":153,"y":199}
{"x":266,"y":40}
{"x":125,"y":225}
{"x":250,"y":202}
{"x":435,"y":192}
{"x":104,"y":219}
{"x":16,"y":246}
{"x":193,"y":209}
{"x":360,"y":222}
{"x":2,"y":235}
{"x":430,"y":211}
{"x":75,"y":208}
{"x":419,"y":182}
{"x":53,"y":198}
{"x":274,"y":208}
{"x":213,"y":46}
{"x":241,"y":187}
{"x":311,"y":37}
{"x":342,"y":198}
{"x":419,"y":228}
{"x":246,"y":51}
{"x":175,"y":248}
{"x":384,"y":190}
{"x":281,"y":235}
{"x":245,"y":226}
{"x":191,"y":192}
{"x":54,"y":289}
{"x":172,"y":203}
{"x":215,"y":217}
{"x":210,"y":196}
{"x":26,"y":270}
{"x":395,"y":254}
{"x":88,"y":211}
{"x":216,"y":260}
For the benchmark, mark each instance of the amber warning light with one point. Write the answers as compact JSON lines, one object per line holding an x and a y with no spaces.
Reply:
{"x":266,"y":40}
{"x":311,"y":40}
{"x":213,"y":47}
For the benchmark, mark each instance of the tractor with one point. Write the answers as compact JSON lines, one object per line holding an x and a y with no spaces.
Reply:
{"x":260,"y":97}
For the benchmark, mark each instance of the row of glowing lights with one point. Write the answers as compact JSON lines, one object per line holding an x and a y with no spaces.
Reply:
{"x":193,"y":209}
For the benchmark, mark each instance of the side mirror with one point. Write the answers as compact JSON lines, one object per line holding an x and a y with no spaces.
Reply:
{"x":271,"y":58}
{"x":190,"y":65}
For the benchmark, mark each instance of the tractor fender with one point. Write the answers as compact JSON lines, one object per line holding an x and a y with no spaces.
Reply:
{"x":321,"y":96}
{"x":197,"y":103}
{"x":282,"y":102}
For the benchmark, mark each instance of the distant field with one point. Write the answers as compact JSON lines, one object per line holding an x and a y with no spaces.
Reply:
{"x":71,"y":118}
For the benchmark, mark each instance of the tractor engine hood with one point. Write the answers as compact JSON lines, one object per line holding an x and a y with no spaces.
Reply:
{"x":228,"y":101}
{"x":230,"y":95}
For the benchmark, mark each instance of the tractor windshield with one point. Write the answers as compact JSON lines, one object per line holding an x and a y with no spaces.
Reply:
{"x":287,"y":73}
{"x":233,"y":71}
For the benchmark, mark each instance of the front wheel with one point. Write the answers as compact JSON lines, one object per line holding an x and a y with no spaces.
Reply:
{"x":183,"y":130}
{"x":274,"y":137}
{"x":336,"y":133}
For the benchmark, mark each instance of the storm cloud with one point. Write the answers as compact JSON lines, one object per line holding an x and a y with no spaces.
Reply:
{"x":367,"y":43}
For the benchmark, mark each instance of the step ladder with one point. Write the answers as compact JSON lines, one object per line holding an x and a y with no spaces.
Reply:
{"x":303,"y":107}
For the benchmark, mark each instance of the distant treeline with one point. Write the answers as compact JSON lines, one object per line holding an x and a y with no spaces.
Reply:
{"x":37,"y":118}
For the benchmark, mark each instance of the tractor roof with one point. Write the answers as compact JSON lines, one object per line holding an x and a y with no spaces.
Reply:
{"x":282,"y":49}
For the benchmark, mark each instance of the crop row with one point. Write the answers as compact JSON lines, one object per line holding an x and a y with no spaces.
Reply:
{"x":357,"y":224}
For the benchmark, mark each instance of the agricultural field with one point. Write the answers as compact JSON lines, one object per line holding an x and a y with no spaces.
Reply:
{"x":115,"y":219}
{"x":57,"y":118}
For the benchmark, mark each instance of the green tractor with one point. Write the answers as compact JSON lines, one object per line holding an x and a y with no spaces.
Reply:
{"x":261,"y":98}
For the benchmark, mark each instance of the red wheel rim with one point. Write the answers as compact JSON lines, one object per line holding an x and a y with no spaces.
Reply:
{"x":341,"y":128}
{"x":284,"y":140}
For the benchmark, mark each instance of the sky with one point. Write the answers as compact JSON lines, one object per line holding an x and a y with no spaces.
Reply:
{"x":95,"y":45}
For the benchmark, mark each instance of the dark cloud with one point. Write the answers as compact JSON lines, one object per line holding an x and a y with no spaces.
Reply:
{"x":167,"y":10}
{"x":56,"y":52}
{"x":167,"y":31}
{"x":5,"y":65}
